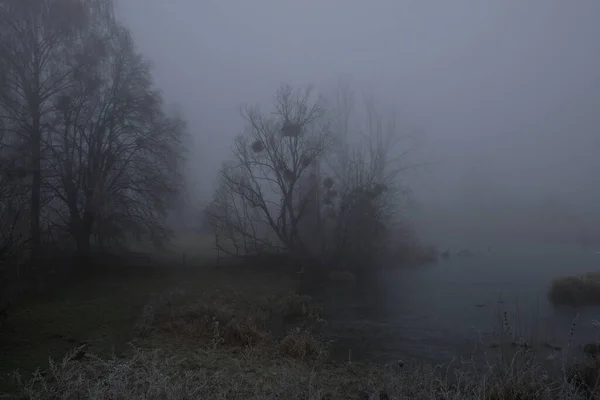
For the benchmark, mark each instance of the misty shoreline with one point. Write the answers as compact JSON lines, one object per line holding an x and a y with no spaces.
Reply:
{"x":207,"y":309}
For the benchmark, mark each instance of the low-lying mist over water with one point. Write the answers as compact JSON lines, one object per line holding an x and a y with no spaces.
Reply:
{"x":453,"y":310}
{"x":340,"y":188}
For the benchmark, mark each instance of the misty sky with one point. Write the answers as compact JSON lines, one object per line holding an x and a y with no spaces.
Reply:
{"x":507,"y":92}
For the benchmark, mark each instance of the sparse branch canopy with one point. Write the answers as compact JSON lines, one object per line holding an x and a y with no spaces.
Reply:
{"x":270,"y":160}
{"x":367,"y":166}
{"x":38,"y":42}
{"x":35,"y":37}
{"x":116,"y":155}
{"x":77,"y":101}
{"x":316,"y":182}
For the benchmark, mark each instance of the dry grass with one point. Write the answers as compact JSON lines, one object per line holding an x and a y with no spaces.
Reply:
{"x":221,"y":325}
{"x":301,"y":343}
{"x":249,"y":373}
{"x":245,"y":341}
{"x":576,"y":290}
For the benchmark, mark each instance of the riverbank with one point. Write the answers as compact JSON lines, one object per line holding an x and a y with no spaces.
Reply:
{"x":223,"y":333}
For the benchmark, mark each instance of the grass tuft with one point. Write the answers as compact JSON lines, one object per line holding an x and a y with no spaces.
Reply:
{"x":301,"y":343}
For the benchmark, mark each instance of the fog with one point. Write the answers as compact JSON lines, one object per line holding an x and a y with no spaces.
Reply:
{"x":173,"y":243}
{"x":505,"y":93}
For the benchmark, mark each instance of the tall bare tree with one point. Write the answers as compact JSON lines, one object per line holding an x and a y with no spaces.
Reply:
{"x":116,"y":154}
{"x":13,"y":230}
{"x":34,"y":35}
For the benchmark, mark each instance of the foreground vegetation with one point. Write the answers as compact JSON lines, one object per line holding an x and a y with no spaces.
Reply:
{"x":576,"y":290}
{"x":235,"y":333}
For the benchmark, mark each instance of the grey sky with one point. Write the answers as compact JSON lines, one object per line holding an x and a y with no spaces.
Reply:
{"x":513,"y":84}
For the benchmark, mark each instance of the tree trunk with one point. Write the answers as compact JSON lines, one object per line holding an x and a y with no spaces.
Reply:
{"x":84,"y":236}
{"x":83,"y":249}
{"x":81,"y":231}
{"x":36,"y":183}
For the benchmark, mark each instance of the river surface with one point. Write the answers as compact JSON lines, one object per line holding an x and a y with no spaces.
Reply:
{"x":453,"y":309}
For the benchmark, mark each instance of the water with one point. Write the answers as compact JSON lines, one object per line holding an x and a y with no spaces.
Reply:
{"x":439,"y":312}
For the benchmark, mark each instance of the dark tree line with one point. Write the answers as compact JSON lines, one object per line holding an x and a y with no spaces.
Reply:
{"x":88,"y":153}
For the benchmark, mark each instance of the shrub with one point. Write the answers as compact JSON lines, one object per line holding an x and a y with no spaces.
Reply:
{"x":576,"y":290}
{"x":300,"y":343}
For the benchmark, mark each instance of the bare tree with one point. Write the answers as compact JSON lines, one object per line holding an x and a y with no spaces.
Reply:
{"x":13,"y":232}
{"x":116,"y":155}
{"x":262,"y":186}
{"x":34,"y":35}
{"x":365,"y":169}
{"x":318,"y":180}
{"x":239,"y":227}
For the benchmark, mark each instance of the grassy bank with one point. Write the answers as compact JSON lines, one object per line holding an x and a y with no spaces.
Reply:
{"x":231,"y":333}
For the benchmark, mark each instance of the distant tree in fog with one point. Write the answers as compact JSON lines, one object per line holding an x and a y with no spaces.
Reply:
{"x":311,"y":180}
{"x":363,"y":210}
{"x":263,"y":194}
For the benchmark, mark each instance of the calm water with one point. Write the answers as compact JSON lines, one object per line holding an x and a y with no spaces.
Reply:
{"x":438,"y":312}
